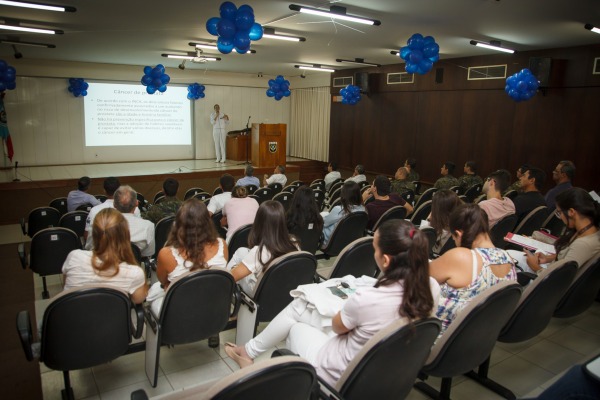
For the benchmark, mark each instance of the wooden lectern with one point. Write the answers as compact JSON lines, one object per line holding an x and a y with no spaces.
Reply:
{"x":268,"y":145}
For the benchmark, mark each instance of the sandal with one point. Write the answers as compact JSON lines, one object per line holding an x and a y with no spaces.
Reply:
{"x":241,"y":361}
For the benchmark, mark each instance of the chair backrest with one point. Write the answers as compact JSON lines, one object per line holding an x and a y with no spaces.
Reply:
{"x":275,"y":187}
{"x":191,"y":192}
{"x":582,"y":292}
{"x":334,"y":203}
{"x":318,"y":184}
{"x":431,"y":237}
{"x":284,"y":274}
{"x":335,"y":185}
{"x":84,"y":207}
{"x":161,"y":232}
{"x":473,"y":192}
{"x":157,"y":196}
{"x":532,"y":221}
{"x":417,"y":187}
{"x":216,"y":218}
{"x":297,"y":183}
{"x":351,"y":227}
{"x":421,"y":213}
{"x":251,"y":188}
{"x":309,"y":237}
{"x":502,"y":227}
{"x":75,"y":221}
{"x":202,"y":196}
{"x":362,"y":184}
{"x":356,"y":259}
{"x":49,"y":249}
{"x":239,"y":239}
{"x":159,"y":199}
{"x":554,"y":225}
{"x":388,"y":364}
{"x":408,"y":196}
{"x":290,"y":188}
{"x":426,"y":196}
{"x":287,"y":377}
{"x":217,"y":191}
{"x":142,"y":203}
{"x":335,"y":194}
{"x":396,"y":212}
{"x":511,"y":194}
{"x":470,"y":338}
{"x":264,"y":194}
{"x":319,"y":197}
{"x":41,"y":218}
{"x":457,"y":189}
{"x":538,"y":302}
{"x":101,"y":197}
{"x":137,"y":253}
{"x":285,"y":198}
{"x":60,"y":203}
{"x":85,"y":327}
{"x":196,"y":306}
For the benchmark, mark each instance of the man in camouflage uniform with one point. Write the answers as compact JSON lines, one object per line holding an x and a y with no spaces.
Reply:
{"x":517,"y":184}
{"x":401,"y":184}
{"x":167,"y":207}
{"x":470,"y":178}
{"x":447,"y":180}
{"x":410,"y":164}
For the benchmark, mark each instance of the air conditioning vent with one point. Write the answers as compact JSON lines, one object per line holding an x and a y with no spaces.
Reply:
{"x":343,"y":81}
{"x":487,"y":72}
{"x":400,"y":77}
{"x":596,"y":70}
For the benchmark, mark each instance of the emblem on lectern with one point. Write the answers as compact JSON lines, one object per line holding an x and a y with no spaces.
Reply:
{"x":273,"y":147}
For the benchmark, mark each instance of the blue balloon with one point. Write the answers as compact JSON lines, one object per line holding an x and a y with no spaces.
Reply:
{"x":3,"y":65}
{"x":415,"y":56}
{"x":283,"y":87}
{"x":270,"y":93}
{"x":415,"y":42}
{"x":190,"y":96}
{"x":241,"y":41}
{"x":147,"y":70}
{"x":224,"y":45}
{"x":245,"y":8}
{"x":411,"y":68}
{"x":256,"y":32}
{"x":427,"y":40}
{"x":146,"y":80}
{"x":287,"y":93}
{"x":278,"y":96}
{"x":165,"y":79}
{"x":522,"y":86}
{"x":275,"y":87}
{"x":162,"y":88}
{"x":512,"y":81}
{"x":211,"y":25}
{"x":226,"y":28}
{"x":157,"y":82}
{"x":202,"y":95}
{"x":228,"y":10}
{"x":431,"y":50}
{"x":343,"y":92}
{"x":84,"y":92}
{"x":426,"y":65}
{"x":155,"y":73}
{"x":404,"y":52}
{"x":244,"y":20}
{"x":150,"y":89}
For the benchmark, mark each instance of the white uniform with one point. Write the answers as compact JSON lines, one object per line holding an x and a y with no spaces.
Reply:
{"x":219,"y":133}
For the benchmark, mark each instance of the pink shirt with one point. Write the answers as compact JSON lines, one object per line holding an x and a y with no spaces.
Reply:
{"x":497,"y":209}
{"x":239,"y":212}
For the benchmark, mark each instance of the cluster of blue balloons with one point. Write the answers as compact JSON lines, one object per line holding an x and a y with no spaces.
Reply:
{"x":350,"y":94}
{"x":420,"y":54}
{"x":155,"y":79}
{"x":8,"y":75}
{"x":279,"y":88}
{"x":235,"y":29}
{"x":195,"y":91}
{"x":78,"y":87}
{"x":521,"y":86}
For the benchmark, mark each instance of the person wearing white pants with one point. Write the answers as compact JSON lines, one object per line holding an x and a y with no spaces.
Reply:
{"x":219,"y":122}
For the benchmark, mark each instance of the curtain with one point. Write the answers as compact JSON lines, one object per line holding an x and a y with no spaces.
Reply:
{"x":309,"y":123}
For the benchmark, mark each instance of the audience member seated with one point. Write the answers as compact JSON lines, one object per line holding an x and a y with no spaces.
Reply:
{"x":516,"y":185}
{"x":351,"y":201}
{"x":303,"y":212}
{"x":330,"y":342}
{"x":383,"y":200}
{"x":411,"y":164}
{"x":141,"y":231}
{"x":444,"y":202}
{"x":563,"y":175}
{"x":78,"y":197}
{"x":470,"y":268}
{"x":111,"y":184}
{"x":111,"y":262}
{"x":358,"y":175}
{"x":495,"y":206}
{"x":530,"y":198}
{"x":332,"y":175}
{"x":581,"y":242}
{"x":240,"y":210}
{"x":217,"y":202}
{"x":268,"y":239}
{"x":470,"y":178}
{"x":169,"y":205}
{"x":193,"y":244}
{"x":249,"y":178}
{"x":447,"y":180}
{"x":401,"y":184}
{"x":277,"y":177}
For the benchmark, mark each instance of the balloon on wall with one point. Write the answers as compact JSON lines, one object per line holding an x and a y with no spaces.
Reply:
{"x":350,"y":94}
{"x":155,"y":79}
{"x":195,"y":91}
{"x":279,"y":88}
{"x":235,"y":29}
{"x":78,"y":87}
{"x":8,"y":75}
{"x":420,"y":54}
{"x":521,"y":86}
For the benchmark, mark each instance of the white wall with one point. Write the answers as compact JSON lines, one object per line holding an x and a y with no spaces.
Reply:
{"x":46,"y":121}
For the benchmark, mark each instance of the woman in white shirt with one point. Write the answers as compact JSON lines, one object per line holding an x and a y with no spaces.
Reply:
{"x":403,"y":291}
{"x":238,"y":211}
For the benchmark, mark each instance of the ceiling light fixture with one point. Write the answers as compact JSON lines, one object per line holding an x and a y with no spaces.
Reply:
{"x":191,"y":57}
{"x":270,"y":34}
{"x":395,"y":53}
{"x":37,"y":6}
{"x":32,"y":44}
{"x":592,"y":28}
{"x":210,"y":46}
{"x":31,"y":30}
{"x":359,"y":61}
{"x":315,"y":67}
{"x":335,"y":12}
{"x":492,"y":45}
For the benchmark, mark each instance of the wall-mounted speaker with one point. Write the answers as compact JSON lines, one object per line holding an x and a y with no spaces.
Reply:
{"x":541,"y":67}
{"x":439,"y":75}
{"x":361,"y":79}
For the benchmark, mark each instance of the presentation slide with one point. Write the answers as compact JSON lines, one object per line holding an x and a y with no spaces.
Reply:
{"x":119,"y":114}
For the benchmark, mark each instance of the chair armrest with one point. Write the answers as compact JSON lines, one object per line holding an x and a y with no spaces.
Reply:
{"x":319,"y":278}
{"x":139,"y":394}
{"x":283,"y":352}
{"x":137,"y":324}
{"x":151,"y":319}
{"x":326,"y":391}
{"x":237,"y":301}
{"x":246,"y":300}
{"x":22,"y":255}
{"x":525,"y":277}
{"x":25,"y":333}
{"x":23,"y":226}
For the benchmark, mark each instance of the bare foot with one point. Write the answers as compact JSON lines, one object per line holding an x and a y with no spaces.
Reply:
{"x":238,"y":354}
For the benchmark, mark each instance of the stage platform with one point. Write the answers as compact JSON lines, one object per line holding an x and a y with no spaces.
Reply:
{"x":38,"y":185}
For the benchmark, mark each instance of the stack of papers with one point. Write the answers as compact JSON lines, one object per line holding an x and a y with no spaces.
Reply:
{"x":529,"y":243}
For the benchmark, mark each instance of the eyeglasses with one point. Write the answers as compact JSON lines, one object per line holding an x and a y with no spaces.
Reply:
{"x":558,"y":213}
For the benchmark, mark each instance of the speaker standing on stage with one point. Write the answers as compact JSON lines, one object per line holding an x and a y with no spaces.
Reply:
{"x":219,"y":121}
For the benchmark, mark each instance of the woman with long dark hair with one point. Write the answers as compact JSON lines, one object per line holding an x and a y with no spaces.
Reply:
{"x":351,"y":201}
{"x":303,"y":218}
{"x":443,"y":203}
{"x":403,"y":291}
